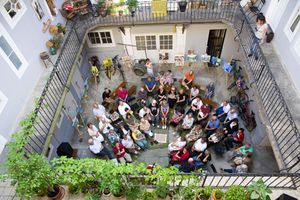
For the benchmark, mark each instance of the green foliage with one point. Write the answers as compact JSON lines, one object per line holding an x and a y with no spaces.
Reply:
{"x":207,"y":191}
{"x":219,"y":193}
{"x":258,"y":190}
{"x":236,"y":192}
{"x":149,"y":195}
{"x":184,"y":193}
{"x":134,"y":190}
{"x":101,"y":3}
{"x":132,"y":3}
{"x":121,"y":2}
{"x":91,"y":196}
{"x":162,"y":189}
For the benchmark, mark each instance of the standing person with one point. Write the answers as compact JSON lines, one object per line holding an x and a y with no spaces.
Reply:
{"x":259,"y":35}
{"x":149,"y":67}
{"x":164,"y":110}
{"x":154,"y":113}
{"x":188,"y":79}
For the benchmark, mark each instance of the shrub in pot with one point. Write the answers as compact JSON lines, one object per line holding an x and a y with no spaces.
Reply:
{"x":101,"y":8}
{"x":258,"y":190}
{"x":217,"y":194}
{"x":149,"y":195}
{"x":182,"y":5}
{"x":204,"y":193}
{"x":133,"y":190}
{"x":236,"y":192}
{"x":184,"y":193}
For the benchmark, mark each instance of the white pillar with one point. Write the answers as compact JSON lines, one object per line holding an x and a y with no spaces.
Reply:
{"x":127,"y":40}
{"x":180,"y":40}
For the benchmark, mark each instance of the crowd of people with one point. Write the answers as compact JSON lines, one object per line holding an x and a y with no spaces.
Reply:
{"x":196,"y":125}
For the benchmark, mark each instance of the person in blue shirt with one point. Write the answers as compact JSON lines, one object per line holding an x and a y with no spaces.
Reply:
{"x":212,"y":125}
{"x":150,"y":84}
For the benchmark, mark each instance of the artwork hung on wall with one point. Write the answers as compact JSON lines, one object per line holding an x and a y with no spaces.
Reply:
{"x":163,"y":57}
{"x":179,"y":60}
{"x":37,"y":9}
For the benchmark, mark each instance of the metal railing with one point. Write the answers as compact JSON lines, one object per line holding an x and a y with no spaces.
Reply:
{"x":284,"y":130}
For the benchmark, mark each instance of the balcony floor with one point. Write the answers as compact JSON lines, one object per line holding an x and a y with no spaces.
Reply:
{"x":264,"y":160}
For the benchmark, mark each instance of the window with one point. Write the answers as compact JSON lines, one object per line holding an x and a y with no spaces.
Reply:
{"x":293,"y":23}
{"x":11,"y":54}
{"x":3,"y":101}
{"x":103,"y":38}
{"x":12,"y":11}
{"x":166,"y":42}
{"x":145,"y":42}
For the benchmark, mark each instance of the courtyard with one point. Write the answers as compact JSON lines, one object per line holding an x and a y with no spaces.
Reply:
{"x":263,"y":161}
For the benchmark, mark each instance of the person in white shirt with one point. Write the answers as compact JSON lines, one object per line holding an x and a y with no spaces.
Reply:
{"x":123,"y":109}
{"x":195,"y":106}
{"x":260,"y":34}
{"x":129,"y":144}
{"x":188,"y":121}
{"x":199,"y":146}
{"x":145,"y":113}
{"x":104,"y":125}
{"x":232,"y":114}
{"x":98,"y":110}
{"x":97,"y":148}
{"x":179,"y":143}
{"x":92,"y":130}
{"x":194,"y":93}
{"x":223,"y":110}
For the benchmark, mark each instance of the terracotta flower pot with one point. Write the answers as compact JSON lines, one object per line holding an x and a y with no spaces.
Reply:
{"x":214,"y":196}
{"x":58,"y":193}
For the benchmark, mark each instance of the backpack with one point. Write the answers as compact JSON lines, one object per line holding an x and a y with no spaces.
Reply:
{"x":269,"y":34}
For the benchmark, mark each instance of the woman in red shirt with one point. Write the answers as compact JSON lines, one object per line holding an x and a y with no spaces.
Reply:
{"x":179,"y":156}
{"x":119,"y":151}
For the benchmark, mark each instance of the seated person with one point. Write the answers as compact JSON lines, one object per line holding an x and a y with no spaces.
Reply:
{"x":139,"y":138}
{"x":97,"y":148}
{"x":145,"y":127}
{"x":181,"y":98}
{"x":120,"y":154}
{"x":232,"y":114}
{"x":178,"y":115}
{"x":240,"y":169}
{"x":236,"y":138}
{"x":167,"y":78}
{"x":123,"y":129}
{"x":130,"y":120}
{"x":98,"y":110}
{"x":193,"y":93}
{"x":188,"y":122}
{"x":188,"y":79}
{"x":223,"y":110}
{"x":179,"y":156}
{"x":161,"y":94}
{"x":199,"y":146}
{"x":123,"y":94}
{"x":106,"y":96}
{"x":212,"y":125}
{"x":188,"y":166}
{"x":114,"y":116}
{"x":112,"y":136}
{"x":104,"y":125}
{"x":145,"y":112}
{"x":92,"y":130}
{"x":216,"y":136}
{"x":243,"y":151}
{"x":202,"y":159}
{"x":150,"y":84}
{"x":231,"y":127}
{"x":142,"y":96}
{"x":164,"y":110}
{"x":172,"y":97}
{"x":194,"y":134}
{"x":177,"y":144}
{"x":154,"y":113}
{"x":203,"y":114}
{"x":124,"y":108}
{"x":129,"y":145}
{"x":195,"y":106}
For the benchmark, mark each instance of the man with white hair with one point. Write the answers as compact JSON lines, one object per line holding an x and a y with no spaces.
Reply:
{"x":99,"y":110}
{"x":104,"y":125}
{"x":97,"y":148}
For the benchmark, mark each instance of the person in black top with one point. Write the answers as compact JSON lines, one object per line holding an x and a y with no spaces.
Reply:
{"x":154,"y":112}
{"x":161,"y":94}
{"x":181,"y":99}
{"x":202,"y":159}
{"x":106,"y":96}
{"x":231,"y":127}
{"x":172,"y":97}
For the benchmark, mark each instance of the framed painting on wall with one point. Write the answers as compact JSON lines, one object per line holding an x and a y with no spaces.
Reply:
{"x":37,"y":9}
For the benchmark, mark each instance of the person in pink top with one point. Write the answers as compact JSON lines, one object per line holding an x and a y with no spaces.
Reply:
{"x":121,"y":155}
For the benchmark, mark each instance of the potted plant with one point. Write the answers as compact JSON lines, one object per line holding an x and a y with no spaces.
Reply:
{"x":184,"y":193}
{"x":149,"y":195}
{"x":236,"y":192}
{"x":204,"y":193}
{"x":162,"y":189}
{"x":217,"y":194}
{"x":182,"y":5}
{"x":121,"y":7}
{"x":132,"y":4}
{"x":111,"y":10}
{"x":133,"y":190}
{"x":101,"y":8}
{"x":258,"y":190}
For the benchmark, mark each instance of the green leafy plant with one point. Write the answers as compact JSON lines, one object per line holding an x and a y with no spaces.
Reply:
{"x":218,"y":193}
{"x":149,"y":195}
{"x":101,"y":4}
{"x":258,"y":190}
{"x":162,"y":189}
{"x":236,"y":192}
{"x":121,"y":2}
{"x":133,"y":190}
{"x":204,"y":193}
{"x":132,"y":4}
{"x":91,"y":196}
{"x":184,"y":193}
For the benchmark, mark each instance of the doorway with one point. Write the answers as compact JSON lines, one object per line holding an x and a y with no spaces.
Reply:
{"x":215,"y":42}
